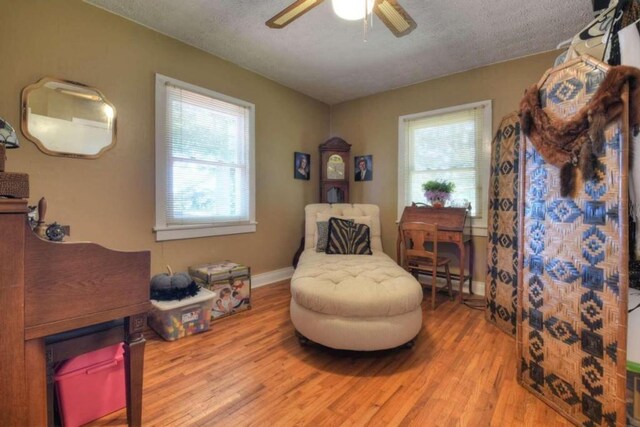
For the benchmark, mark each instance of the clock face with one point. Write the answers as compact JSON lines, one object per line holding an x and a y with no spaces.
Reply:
{"x":335,"y":167}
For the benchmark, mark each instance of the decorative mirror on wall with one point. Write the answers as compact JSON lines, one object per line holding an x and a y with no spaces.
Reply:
{"x":65,"y":118}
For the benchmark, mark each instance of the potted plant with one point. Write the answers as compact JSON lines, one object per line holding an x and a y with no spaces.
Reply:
{"x":438,"y":191}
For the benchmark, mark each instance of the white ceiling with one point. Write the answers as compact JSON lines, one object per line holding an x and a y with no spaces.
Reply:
{"x":325,"y":57}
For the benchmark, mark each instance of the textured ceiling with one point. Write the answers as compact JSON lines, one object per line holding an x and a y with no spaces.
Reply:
{"x":325,"y":57}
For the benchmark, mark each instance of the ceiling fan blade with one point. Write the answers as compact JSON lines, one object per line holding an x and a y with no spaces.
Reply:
{"x":395,"y":17}
{"x":292,"y":12}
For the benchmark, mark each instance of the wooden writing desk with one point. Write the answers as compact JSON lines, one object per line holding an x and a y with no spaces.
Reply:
{"x":454,"y":226}
{"x":48,"y":288}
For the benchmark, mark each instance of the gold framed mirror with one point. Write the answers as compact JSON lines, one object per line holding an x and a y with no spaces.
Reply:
{"x":65,"y":118}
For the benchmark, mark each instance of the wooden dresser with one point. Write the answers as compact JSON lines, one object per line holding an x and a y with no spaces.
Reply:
{"x":454,"y":226}
{"x":47,"y":289}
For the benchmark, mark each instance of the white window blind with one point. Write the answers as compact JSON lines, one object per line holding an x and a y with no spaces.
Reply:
{"x":207,"y":148}
{"x":447,"y":144}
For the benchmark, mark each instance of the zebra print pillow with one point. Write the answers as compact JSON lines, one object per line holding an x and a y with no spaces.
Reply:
{"x":345,"y":237}
{"x":322,"y":235}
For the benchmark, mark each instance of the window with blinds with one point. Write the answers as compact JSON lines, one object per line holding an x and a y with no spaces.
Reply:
{"x":452,"y":144}
{"x":204,"y":160}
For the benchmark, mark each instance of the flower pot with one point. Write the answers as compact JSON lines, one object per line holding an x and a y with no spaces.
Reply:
{"x":437,"y":199}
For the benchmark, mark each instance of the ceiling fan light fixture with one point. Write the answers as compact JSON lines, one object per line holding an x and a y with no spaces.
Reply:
{"x":352,"y":10}
{"x":392,"y":15}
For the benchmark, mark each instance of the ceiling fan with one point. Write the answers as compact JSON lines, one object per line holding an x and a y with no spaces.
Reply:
{"x":389,"y":11}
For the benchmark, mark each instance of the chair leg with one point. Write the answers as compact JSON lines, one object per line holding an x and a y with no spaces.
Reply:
{"x":433,"y":288}
{"x":449,"y":284}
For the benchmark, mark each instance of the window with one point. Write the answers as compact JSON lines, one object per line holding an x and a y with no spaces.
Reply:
{"x":453,"y":144}
{"x":205,"y":183}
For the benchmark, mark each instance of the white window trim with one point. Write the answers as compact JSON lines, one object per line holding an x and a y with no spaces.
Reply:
{"x":478,"y":225}
{"x":162,"y":230}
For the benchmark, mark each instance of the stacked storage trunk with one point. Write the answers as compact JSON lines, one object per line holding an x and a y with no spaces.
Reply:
{"x":230,"y":281}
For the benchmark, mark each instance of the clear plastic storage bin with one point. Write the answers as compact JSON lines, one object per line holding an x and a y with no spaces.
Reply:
{"x":176,"y":319}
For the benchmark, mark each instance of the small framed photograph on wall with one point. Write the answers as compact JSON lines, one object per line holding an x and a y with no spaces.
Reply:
{"x":301,"y":166}
{"x":364,"y":168}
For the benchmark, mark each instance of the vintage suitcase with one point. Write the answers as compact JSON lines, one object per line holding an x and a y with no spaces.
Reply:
{"x":230,"y":281}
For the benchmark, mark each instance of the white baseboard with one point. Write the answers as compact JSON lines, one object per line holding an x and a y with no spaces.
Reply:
{"x":478,"y":288}
{"x":263,"y":279}
{"x":270,"y":277}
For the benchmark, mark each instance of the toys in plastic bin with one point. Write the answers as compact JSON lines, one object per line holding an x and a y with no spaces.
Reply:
{"x":176,"y":319}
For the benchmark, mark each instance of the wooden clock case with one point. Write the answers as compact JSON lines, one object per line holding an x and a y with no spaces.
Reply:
{"x":334,"y":190}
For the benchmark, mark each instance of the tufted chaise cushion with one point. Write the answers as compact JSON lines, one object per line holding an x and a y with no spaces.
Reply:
{"x":354,"y":285}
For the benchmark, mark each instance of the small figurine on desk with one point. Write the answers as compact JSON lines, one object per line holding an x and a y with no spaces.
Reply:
{"x":54,"y":232}
{"x":32,"y":216}
{"x":41,"y":227}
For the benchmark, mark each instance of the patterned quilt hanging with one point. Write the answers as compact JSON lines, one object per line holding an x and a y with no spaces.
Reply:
{"x":502,"y":244}
{"x":571,"y":336}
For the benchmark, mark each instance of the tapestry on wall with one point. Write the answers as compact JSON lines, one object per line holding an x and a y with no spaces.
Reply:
{"x":573,"y":294}
{"x":502,"y":226}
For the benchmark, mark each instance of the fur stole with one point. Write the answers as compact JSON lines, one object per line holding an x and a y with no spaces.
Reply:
{"x":573,"y":143}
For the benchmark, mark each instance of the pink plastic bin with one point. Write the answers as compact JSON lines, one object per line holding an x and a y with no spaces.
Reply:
{"x":91,"y":385}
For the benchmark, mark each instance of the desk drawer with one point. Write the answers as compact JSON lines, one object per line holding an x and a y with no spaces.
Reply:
{"x":449,"y":236}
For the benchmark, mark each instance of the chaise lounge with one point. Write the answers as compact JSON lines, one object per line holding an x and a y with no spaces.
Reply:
{"x":353,"y":302}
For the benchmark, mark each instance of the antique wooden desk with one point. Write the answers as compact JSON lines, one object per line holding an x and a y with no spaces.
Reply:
{"x":454,"y":226}
{"x":49,"y":288}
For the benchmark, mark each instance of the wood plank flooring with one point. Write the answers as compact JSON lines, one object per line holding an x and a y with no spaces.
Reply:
{"x":249,"y":369}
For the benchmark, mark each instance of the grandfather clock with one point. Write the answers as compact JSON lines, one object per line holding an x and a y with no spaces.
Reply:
{"x":334,"y":171}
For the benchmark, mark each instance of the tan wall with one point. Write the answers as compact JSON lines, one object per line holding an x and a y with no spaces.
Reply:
{"x":371,"y":125}
{"x":111,"y":200}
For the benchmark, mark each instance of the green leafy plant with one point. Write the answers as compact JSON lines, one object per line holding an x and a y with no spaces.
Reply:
{"x":439,"y":186}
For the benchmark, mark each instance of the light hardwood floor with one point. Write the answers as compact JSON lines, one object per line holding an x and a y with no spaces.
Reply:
{"x":250,"y":370}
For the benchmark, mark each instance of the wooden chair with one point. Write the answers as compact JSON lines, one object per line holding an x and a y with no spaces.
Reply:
{"x":417,"y":260}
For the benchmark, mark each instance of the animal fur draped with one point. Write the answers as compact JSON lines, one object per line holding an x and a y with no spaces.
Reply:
{"x":574,"y":143}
